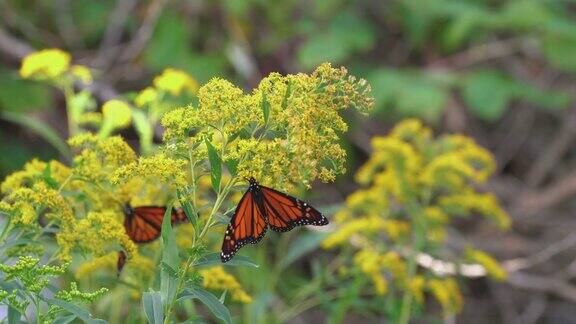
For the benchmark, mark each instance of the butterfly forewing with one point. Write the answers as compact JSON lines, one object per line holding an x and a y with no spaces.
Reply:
{"x":248,"y":225}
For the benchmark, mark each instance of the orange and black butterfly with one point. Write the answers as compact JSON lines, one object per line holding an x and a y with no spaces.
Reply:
{"x":144,"y":224}
{"x":261,"y":207}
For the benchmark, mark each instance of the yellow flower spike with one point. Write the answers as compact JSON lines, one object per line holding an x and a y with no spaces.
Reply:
{"x":218,"y":279}
{"x":416,"y":286}
{"x":82,"y":73}
{"x":448,"y":294}
{"x":344,"y":232}
{"x":468,"y":202}
{"x":146,"y":96}
{"x":368,"y":261}
{"x":107,"y":263}
{"x":167,"y":169}
{"x":175,"y":81}
{"x":33,"y":171}
{"x":99,"y":157}
{"x":45,"y":64}
{"x":93,"y":234}
{"x":116,"y":115}
{"x":493,"y":268}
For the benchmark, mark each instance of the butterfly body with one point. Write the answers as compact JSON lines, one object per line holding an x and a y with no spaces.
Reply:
{"x":262,"y":207}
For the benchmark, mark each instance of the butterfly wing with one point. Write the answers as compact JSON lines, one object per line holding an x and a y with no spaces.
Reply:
{"x":144,"y":224}
{"x":121,"y":261}
{"x":178,"y":216}
{"x":248,"y":225}
{"x":285,"y":212}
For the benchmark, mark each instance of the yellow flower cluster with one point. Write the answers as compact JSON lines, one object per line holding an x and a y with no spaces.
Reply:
{"x":373,"y":264}
{"x":159,"y":166}
{"x":218,"y":279}
{"x":51,"y":64}
{"x":116,"y":115}
{"x":22,"y":205}
{"x":448,"y":294}
{"x":33,"y":171}
{"x":412,"y":181}
{"x":94,"y":234}
{"x":175,"y":81}
{"x":99,"y":157}
{"x":285,"y":132}
{"x":146,"y":96}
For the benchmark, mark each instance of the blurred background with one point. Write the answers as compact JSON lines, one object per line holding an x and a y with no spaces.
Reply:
{"x":501,"y":72}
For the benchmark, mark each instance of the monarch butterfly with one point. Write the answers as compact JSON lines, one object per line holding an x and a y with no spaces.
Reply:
{"x":144,"y":224}
{"x":261,"y":207}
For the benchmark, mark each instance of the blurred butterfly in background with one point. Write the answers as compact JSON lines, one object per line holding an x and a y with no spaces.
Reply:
{"x":144,"y":224}
{"x":261,"y":207}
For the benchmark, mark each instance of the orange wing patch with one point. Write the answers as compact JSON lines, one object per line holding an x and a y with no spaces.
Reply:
{"x":248,"y":225}
{"x":285,"y":212}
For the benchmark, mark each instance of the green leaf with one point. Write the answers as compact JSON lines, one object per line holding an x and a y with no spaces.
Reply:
{"x":47,"y":177}
{"x":561,"y":52}
{"x":422,"y":99}
{"x":79,"y":312}
{"x":301,"y":246}
{"x":17,"y":95}
{"x":64,"y":319}
{"x":213,"y":259}
{"x":232,"y":166}
{"x":265,"y":108}
{"x":152,"y":304}
{"x":347,"y":34}
{"x":13,"y":315}
{"x":208,"y":299}
{"x":43,"y":130}
{"x":215,"y":166}
{"x":170,"y":258}
{"x":287,"y":94}
{"x":487,"y":94}
{"x":188,"y":209}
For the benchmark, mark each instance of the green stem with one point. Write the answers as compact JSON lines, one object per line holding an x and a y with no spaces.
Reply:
{"x":418,"y":241}
{"x":73,"y":128}
{"x":179,"y":287}
{"x":416,"y":215}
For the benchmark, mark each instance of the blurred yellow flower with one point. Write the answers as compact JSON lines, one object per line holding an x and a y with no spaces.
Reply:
{"x":45,"y":64}
{"x":116,"y":114}
{"x":413,"y":185}
{"x":493,"y":268}
{"x":447,"y":293}
{"x":146,"y":96}
{"x":169,"y":170}
{"x":175,"y":81}
{"x":218,"y":279}
{"x":82,"y":73}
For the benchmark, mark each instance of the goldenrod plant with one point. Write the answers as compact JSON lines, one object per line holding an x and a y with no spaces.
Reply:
{"x":412,"y":187}
{"x":286,"y":133}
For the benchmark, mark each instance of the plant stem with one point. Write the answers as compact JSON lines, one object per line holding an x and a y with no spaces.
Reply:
{"x":68,"y":95}
{"x":416,"y":215}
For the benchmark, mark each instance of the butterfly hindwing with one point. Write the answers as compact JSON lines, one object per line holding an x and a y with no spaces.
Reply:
{"x":247,"y":225}
{"x":285,"y":212}
{"x":144,"y":224}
